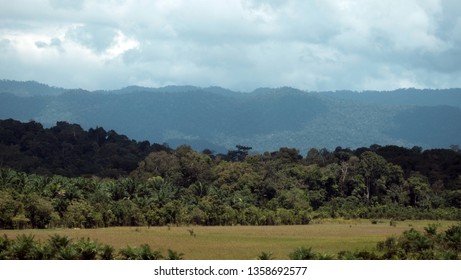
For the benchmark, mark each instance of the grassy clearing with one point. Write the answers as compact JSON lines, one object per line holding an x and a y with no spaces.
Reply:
{"x":244,"y":242}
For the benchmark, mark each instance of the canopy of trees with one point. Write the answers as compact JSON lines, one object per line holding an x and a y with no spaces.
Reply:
{"x":129,"y":183}
{"x":68,"y":150}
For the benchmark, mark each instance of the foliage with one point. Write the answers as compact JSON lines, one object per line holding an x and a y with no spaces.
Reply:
{"x":173,"y":255}
{"x":265,"y":256}
{"x":182,"y":186}
{"x":303,"y":253}
{"x":56,"y":247}
{"x":413,"y":244}
{"x":144,"y":252}
{"x":66,"y":149}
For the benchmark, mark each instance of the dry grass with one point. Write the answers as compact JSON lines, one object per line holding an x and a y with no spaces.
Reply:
{"x":244,"y":242}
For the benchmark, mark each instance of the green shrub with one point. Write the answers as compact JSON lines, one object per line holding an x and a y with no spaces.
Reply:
{"x":173,"y":255}
{"x":87,"y":249}
{"x":144,"y":252}
{"x":452,"y":238}
{"x":67,"y":253}
{"x":5,"y":243}
{"x":358,"y":255}
{"x":303,"y":253}
{"x":55,"y":244}
{"x":107,"y":252}
{"x":265,"y":256}
{"x":431,"y":229}
{"x":25,"y":248}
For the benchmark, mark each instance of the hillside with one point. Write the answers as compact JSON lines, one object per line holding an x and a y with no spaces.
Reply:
{"x":68,"y":150}
{"x":265,"y":119}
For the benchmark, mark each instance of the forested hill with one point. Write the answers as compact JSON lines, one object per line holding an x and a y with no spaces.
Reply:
{"x":265,"y":119}
{"x":66,"y":149}
{"x":28,"y":88}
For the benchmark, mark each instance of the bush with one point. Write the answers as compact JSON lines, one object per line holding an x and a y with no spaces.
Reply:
{"x":5,"y":243}
{"x":144,"y":252}
{"x":413,"y":241}
{"x":412,"y":244}
{"x":265,"y":256}
{"x":55,"y":245}
{"x":87,"y":249}
{"x":107,"y":252}
{"x":303,"y":253}
{"x":173,"y":255}
{"x":452,"y":238}
{"x":67,"y":253}
{"x":25,"y":248}
{"x":358,"y":255}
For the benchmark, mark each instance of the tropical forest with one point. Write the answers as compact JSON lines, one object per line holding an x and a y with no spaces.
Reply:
{"x":67,"y":177}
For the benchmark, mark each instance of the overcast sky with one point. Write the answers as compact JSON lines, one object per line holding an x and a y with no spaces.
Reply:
{"x":236,"y":44}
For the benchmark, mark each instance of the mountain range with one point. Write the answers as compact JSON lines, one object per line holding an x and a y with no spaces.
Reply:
{"x":265,"y":119}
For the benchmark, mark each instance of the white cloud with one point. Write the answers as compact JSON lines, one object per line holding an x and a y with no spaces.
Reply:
{"x":242,"y":45}
{"x":67,"y":4}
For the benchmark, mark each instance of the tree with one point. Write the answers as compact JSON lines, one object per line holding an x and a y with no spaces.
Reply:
{"x":9,"y":209}
{"x":127,"y":213}
{"x":419,"y":191}
{"x":195,"y":167}
{"x":239,"y":154}
{"x":82,"y":214}
{"x":25,"y":248}
{"x":294,"y":198}
{"x":55,"y":245}
{"x":38,"y":210}
{"x":372,"y":167}
{"x":20,"y":221}
{"x":288,"y":155}
{"x":163,"y":164}
{"x":314,"y":157}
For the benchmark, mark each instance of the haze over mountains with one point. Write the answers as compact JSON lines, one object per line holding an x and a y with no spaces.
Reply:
{"x":265,"y":119}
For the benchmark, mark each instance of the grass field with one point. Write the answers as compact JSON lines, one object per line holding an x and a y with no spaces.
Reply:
{"x":244,"y":242}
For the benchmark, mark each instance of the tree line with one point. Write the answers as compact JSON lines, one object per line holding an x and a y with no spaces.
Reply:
{"x":183,"y":186}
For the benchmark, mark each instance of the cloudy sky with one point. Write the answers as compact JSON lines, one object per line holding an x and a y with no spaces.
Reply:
{"x":236,"y":44}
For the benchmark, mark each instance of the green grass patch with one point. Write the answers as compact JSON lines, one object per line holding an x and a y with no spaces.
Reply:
{"x":244,"y":242}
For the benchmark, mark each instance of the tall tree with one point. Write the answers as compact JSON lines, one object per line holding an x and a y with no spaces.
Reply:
{"x":372,"y":168}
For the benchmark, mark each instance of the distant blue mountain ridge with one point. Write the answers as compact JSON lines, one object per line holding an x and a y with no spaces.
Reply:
{"x":265,"y":119}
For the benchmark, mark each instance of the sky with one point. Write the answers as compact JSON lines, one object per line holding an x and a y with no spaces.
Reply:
{"x":313,"y":45}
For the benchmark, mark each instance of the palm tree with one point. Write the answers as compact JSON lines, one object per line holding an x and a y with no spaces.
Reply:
{"x":265,"y":256}
{"x":142,"y":253}
{"x":173,"y":255}
{"x":87,"y":248}
{"x":25,"y":248}
{"x":303,"y":253}
{"x":55,"y":245}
